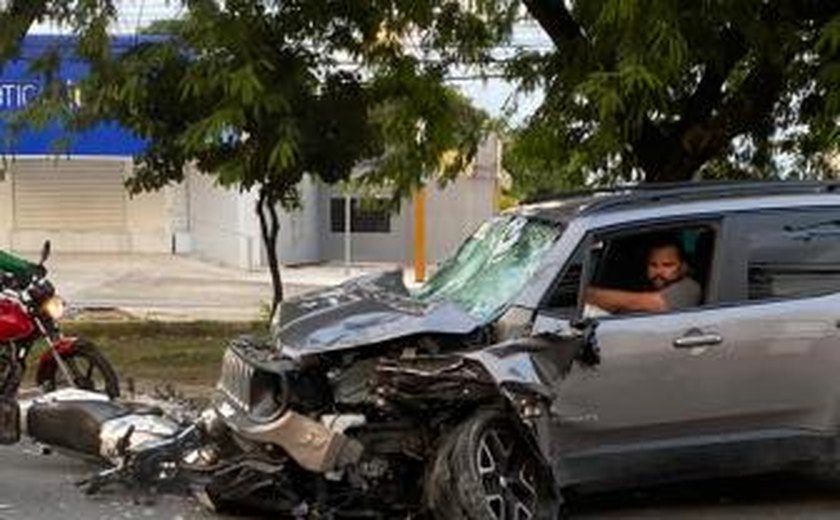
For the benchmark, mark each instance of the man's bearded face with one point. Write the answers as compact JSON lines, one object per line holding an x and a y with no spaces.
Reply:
{"x":665,"y":266}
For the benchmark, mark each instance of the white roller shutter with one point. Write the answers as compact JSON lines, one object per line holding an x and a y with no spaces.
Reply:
{"x":71,"y":195}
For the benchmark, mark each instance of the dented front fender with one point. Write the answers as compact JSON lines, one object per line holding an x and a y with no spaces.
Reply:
{"x":525,"y":373}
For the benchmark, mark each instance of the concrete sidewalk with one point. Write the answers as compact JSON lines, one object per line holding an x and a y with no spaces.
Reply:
{"x":171,"y":287}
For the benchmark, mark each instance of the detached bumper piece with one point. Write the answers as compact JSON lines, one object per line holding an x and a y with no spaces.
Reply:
{"x":311,"y":444}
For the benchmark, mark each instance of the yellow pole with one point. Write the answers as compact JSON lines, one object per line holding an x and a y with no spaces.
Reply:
{"x":420,"y":235}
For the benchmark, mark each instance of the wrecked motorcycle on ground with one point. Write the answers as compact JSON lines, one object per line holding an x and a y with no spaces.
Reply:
{"x":144,"y":444}
{"x":29,"y":311}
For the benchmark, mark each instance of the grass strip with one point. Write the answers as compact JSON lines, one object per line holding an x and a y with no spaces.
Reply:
{"x":181,"y":354}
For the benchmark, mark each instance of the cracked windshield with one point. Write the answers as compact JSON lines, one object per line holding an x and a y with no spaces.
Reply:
{"x":492,"y":265}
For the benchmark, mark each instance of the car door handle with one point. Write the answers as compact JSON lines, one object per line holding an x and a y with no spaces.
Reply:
{"x":698,"y":340}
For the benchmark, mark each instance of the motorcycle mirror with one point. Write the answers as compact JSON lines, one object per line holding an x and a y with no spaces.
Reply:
{"x":45,"y":252}
{"x":7,"y":280}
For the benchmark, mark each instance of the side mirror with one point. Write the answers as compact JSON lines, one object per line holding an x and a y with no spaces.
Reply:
{"x":579,"y":331}
{"x":589,"y":354}
{"x":45,"y":252}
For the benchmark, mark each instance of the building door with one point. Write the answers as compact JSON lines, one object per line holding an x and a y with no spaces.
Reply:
{"x":79,"y":204}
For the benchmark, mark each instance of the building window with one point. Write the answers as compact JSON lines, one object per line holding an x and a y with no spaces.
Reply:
{"x":368,"y":216}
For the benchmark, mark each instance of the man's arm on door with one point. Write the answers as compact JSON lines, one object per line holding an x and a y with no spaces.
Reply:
{"x":616,"y":300}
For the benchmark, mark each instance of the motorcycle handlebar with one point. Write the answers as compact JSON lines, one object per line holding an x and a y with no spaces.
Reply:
{"x":22,"y":281}
{"x":31,"y":293}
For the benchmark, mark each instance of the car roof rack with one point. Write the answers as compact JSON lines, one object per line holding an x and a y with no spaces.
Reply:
{"x":651,"y":193}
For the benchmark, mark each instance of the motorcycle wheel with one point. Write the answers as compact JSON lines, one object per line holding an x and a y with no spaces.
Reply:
{"x":90,"y":370}
{"x":484,"y":470}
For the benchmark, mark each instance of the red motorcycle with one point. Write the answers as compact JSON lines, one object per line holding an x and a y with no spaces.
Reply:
{"x":29,"y":311}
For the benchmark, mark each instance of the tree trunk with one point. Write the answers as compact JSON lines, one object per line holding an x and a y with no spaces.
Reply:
{"x":675,"y":153}
{"x":270,"y":230}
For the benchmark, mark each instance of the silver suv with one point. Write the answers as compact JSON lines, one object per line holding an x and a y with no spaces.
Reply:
{"x":492,"y":389}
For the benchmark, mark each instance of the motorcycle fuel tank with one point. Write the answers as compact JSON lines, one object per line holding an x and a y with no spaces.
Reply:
{"x":14,"y":321}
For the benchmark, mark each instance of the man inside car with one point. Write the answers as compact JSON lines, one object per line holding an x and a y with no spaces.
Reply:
{"x":669,"y":285}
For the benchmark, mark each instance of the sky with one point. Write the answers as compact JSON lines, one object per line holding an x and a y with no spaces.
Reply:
{"x":496,"y":95}
{"x":493,"y":95}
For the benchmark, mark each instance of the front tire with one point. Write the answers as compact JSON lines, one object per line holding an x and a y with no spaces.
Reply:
{"x":90,"y":369}
{"x":485,"y":470}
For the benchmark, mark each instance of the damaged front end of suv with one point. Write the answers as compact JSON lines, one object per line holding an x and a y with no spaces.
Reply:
{"x":372,"y":401}
{"x":364,"y":431}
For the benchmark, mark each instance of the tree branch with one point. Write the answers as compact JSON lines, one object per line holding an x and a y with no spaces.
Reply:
{"x":709,"y":91}
{"x":820,"y":11}
{"x":16,"y":20}
{"x":688,"y":148}
{"x":557,"y":21}
{"x":709,"y":121}
{"x":696,"y":111}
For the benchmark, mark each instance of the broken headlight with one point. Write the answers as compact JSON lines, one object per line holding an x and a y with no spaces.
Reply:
{"x":269,"y":396}
{"x":259,"y":393}
{"x":265,"y":389}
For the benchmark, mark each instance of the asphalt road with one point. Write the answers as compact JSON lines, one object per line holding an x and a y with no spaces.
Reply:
{"x":35,"y":486}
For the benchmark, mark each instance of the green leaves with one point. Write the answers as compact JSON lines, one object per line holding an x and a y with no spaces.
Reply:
{"x":829,"y":40}
{"x":258,"y":93}
{"x":660,"y":89}
{"x":424,"y":130}
{"x":244,"y":85}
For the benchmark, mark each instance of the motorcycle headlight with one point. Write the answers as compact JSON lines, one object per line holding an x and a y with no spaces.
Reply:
{"x":53,"y":307}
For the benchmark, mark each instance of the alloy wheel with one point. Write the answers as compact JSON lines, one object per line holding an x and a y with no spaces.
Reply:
{"x":508,"y":474}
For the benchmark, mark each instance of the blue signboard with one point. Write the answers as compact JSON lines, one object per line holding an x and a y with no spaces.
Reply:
{"x":18,"y":87}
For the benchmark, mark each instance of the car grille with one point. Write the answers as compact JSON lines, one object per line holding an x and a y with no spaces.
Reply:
{"x":235,"y":381}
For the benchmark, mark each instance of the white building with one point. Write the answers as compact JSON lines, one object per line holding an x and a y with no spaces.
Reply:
{"x":223,"y":225}
{"x":80,"y":203}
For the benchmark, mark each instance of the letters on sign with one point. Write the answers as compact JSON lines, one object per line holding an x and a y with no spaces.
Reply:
{"x":16,"y":94}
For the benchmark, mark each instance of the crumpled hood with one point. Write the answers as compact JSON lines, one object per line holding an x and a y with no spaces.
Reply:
{"x":363,"y":311}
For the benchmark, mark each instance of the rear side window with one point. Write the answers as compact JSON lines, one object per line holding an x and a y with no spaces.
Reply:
{"x":792,"y":253}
